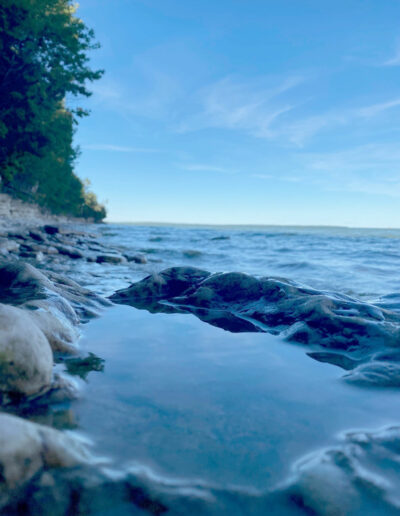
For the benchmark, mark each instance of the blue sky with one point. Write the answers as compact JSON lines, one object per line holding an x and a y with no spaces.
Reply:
{"x":245,"y":111}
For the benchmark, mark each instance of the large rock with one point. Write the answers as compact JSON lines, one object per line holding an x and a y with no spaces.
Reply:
{"x":26,"y":360}
{"x":240,"y":302}
{"x":27,"y":448}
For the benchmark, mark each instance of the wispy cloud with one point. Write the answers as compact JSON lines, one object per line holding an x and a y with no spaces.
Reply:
{"x":199,"y":167}
{"x":251,"y":106}
{"x":301,"y":131}
{"x":288,"y":179}
{"x":395,"y":59}
{"x":376,"y":109}
{"x":372,"y":169}
{"x":115,"y":148}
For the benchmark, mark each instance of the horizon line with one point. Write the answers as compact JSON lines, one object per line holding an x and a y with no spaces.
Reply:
{"x":243,"y":225}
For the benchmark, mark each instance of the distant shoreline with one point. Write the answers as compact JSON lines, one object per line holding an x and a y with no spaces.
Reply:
{"x":245,"y":226}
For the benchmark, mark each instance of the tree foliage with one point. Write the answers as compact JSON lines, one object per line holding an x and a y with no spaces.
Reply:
{"x":43,"y":59}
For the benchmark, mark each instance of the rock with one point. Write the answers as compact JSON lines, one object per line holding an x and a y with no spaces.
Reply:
{"x":240,"y":302}
{"x":51,"y":230}
{"x":9,"y":245}
{"x":165,"y":285}
{"x":60,"y":332}
{"x":17,"y":234}
{"x":28,"y":448}
{"x":69,"y":251}
{"x":359,"y":476}
{"x":37,"y":256}
{"x":37,"y":235}
{"x":138,"y":258}
{"x":26,"y":360}
{"x":110,"y":258}
{"x":50,"y":250}
{"x":24,"y":286}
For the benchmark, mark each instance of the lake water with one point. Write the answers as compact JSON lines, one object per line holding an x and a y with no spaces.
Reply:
{"x":193,"y":405}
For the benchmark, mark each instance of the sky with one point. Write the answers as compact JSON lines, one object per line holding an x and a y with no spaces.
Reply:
{"x":245,"y":111}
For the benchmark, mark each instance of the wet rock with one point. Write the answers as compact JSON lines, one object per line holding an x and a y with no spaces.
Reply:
{"x":165,"y":285}
{"x":8,"y":245}
{"x":23,"y":285}
{"x":20,"y":235}
{"x":375,"y":374}
{"x":110,"y":258}
{"x":51,"y":230}
{"x":360,"y":476}
{"x":32,"y":255}
{"x":27,"y":449}
{"x":137,"y":258}
{"x":26,"y":360}
{"x":37,"y":235}
{"x":71,"y":252}
{"x":352,"y":328}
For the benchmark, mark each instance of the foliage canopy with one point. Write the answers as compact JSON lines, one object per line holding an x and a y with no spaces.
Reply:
{"x":43,"y":59}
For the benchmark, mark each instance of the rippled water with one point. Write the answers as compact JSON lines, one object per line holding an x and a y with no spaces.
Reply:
{"x":234,"y":413}
{"x":359,"y":262}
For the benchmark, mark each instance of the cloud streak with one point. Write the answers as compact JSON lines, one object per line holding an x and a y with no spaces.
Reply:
{"x":116,"y":148}
{"x":198,"y":167}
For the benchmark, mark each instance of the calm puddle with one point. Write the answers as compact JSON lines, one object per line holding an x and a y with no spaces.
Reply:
{"x":192,"y":401}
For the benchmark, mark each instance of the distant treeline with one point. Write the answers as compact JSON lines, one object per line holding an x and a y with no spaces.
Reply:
{"x":43,"y":59}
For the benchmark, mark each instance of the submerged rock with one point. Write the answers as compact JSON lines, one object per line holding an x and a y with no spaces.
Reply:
{"x":358,"y":477}
{"x":240,"y":302}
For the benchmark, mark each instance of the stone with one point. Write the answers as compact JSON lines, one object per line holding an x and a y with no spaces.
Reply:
{"x":110,"y":258}
{"x":69,"y":251}
{"x":26,"y":360}
{"x":137,"y":258}
{"x":27,"y":448}
{"x":51,"y":230}
{"x":37,"y":235}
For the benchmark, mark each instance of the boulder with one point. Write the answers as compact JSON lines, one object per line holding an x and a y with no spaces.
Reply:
{"x":26,"y":360}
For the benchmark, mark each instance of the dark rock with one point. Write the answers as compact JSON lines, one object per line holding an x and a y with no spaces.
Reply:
{"x":168,"y":284}
{"x":37,"y":235}
{"x":51,"y":230}
{"x":69,"y":251}
{"x":110,"y":258}
{"x":355,"y":330}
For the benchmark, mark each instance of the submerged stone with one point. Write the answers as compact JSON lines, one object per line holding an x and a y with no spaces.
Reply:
{"x":240,"y":302}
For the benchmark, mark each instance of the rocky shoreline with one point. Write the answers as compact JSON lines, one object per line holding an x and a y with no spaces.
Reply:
{"x":45,"y":471}
{"x":40,"y":318}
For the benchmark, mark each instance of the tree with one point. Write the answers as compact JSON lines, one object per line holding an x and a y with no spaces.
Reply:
{"x":43,"y":58}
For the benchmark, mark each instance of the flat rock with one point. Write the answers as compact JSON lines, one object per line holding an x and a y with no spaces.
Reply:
{"x":110,"y":258}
